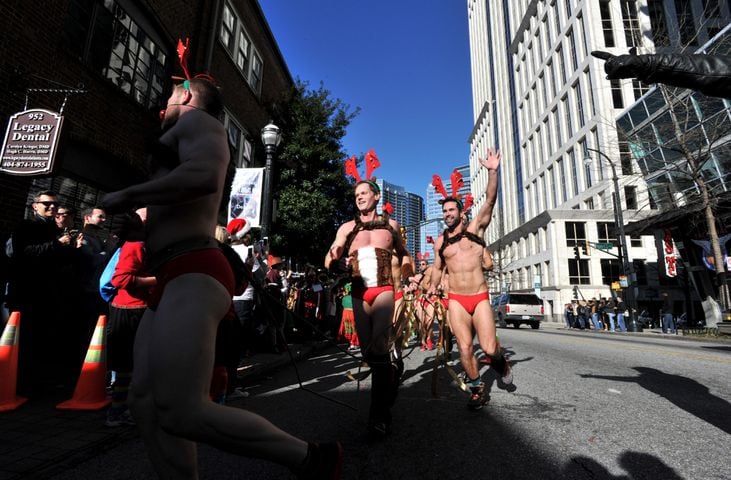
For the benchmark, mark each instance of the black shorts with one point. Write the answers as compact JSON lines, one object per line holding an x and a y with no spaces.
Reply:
{"x":121,"y":331}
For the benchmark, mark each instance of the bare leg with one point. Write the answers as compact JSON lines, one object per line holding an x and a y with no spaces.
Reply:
{"x":484,"y":323}
{"x":172,"y":457}
{"x":461,"y":323}
{"x":179,"y":357}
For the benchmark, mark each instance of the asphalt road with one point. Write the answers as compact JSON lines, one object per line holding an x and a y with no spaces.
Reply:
{"x":587,"y":406}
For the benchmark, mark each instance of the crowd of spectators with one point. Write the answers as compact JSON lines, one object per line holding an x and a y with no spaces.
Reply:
{"x":53,"y":260}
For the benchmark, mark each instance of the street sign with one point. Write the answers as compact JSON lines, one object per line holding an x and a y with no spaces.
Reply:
{"x":604,"y":246}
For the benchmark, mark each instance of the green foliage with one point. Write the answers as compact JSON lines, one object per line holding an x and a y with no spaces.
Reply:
{"x":313,"y":195}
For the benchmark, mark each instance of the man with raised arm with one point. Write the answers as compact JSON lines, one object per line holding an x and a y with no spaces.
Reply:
{"x":364,"y":247}
{"x":174,"y":347}
{"x":460,"y":251}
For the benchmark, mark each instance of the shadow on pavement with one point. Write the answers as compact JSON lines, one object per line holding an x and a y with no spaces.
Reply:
{"x":683,"y":392}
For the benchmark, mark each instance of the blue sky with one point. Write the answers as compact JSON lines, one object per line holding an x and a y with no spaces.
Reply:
{"x":405,"y":63}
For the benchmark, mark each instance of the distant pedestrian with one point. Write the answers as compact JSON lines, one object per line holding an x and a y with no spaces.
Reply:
{"x":668,"y":322}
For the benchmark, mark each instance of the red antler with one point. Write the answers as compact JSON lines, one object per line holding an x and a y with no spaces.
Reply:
{"x":429,"y":239}
{"x":183,"y":53}
{"x":457,"y":182}
{"x":469,"y":200}
{"x":388,"y":208}
{"x":351,"y":168}
{"x":372,"y":163}
{"x":436,"y":182}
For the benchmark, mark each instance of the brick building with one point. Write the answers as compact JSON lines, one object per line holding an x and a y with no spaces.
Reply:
{"x":122,"y":54}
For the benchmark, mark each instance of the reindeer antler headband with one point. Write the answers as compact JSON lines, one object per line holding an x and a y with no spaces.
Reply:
{"x":372,"y":163}
{"x":457,"y":183}
{"x":183,"y":50}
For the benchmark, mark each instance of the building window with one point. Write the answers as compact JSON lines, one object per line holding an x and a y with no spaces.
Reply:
{"x":589,"y":204}
{"x":575,"y":233}
{"x":579,"y":104}
{"x":552,"y":186}
{"x":640,"y":271}
{"x":574,"y":171}
{"x":632,"y":33}
{"x":630,"y":197}
{"x":237,"y":43}
{"x":579,"y":272}
{"x":658,"y":23}
{"x":686,"y":24}
{"x":611,"y":270}
{"x":574,"y":52}
{"x":617,"y":100}
{"x":606,"y":23}
{"x":567,"y":112}
{"x":625,"y":156}
{"x":241,"y":147}
{"x":256,"y":68}
{"x":562,"y":175}
{"x":557,"y":126}
{"x":711,"y":8}
{"x":242,"y":55}
{"x":124,"y":49}
{"x":635,"y":240}
{"x":228,"y":28}
{"x":559,"y":55}
{"x":639,"y":88}
{"x":606,"y":232}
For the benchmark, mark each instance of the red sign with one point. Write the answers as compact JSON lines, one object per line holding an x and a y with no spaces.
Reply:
{"x":671,"y":270}
{"x":30,"y":142}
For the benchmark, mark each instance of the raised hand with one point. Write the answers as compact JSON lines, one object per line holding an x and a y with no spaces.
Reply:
{"x":492,"y":162}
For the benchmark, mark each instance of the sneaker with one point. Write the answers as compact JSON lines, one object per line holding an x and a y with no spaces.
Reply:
{"x":478,"y":397}
{"x":507,"y":375}
{"x":118,"y":419}
{"x":324,"y":462}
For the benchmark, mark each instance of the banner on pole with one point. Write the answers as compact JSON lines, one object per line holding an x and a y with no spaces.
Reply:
{"x":246,"y":191}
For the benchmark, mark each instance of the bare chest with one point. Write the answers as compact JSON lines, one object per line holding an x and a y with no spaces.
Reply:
{"x":379,"y":238}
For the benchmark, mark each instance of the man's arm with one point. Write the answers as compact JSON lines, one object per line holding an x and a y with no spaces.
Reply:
{"x":203,"y":158}
{"x":484,"y":216}
{"x":336,"y":249}
{"x":437,"y":269}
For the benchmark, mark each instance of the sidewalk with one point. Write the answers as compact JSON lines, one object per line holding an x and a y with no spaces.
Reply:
{"x":647,"y":332}
{"x":36,"y":439}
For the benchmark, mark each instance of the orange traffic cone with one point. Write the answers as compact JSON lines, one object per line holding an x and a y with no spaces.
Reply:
{"x":90,"y":392}
{"x":9,"y":364}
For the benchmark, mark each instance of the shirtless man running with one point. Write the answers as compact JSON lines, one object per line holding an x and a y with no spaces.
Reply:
{"x":365,"y":246}
{"x":460,"y":250}
{"x":174,"y":347}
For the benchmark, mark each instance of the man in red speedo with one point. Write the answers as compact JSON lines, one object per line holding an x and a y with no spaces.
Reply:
{"x":460,"y":250}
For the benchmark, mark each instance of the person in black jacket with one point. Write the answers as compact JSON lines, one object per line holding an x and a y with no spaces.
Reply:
{"x":41,"y":253}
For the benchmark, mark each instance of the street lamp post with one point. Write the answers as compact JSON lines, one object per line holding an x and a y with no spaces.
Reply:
{"x":270,"y":137}
{"x":632,"y":325}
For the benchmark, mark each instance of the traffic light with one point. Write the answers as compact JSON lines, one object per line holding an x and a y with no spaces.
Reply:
{"x":576,"y":252}
{"x":576,"y":292}
{"x":403,"y":234}
{"x":586,"y":248}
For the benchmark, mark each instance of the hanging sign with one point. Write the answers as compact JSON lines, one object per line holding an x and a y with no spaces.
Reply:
{"x":246,"y":191}
{"x":671,"y":255}
{"x":30,"y":142}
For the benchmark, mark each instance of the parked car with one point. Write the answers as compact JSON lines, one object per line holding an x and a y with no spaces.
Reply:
{"x":518,"y":308}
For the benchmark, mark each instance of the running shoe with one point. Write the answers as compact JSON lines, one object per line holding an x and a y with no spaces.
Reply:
{"x":478,"y":397}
